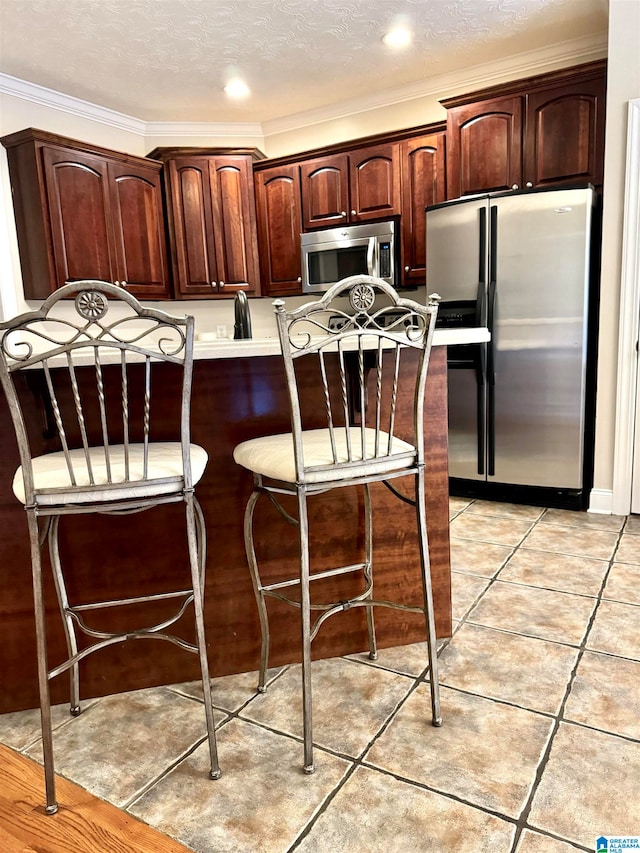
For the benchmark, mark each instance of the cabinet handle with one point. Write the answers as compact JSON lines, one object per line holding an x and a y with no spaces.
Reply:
{"x":407,"y":268}
{"x":528,"y":184}
{"x":222,"y":284}
{"x":353,"y":212}
{"x":515,"y":187}
{"x":214,"y":284}
{"x":117,"y":283}
{"x":299,"y":279}
{"x":343,"y":213}
{"x":123,"y":284}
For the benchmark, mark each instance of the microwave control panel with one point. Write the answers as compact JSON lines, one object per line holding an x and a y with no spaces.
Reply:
{"x":384,"y":260}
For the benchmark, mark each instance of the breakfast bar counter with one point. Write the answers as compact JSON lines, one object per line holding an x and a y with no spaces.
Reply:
{"x":239,"y":392}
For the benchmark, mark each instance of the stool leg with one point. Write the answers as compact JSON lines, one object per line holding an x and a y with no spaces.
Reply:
{"x":428,"y":599}
{"x":198,"y":594}
{"x":257,"y":589}
{"x":368,"y":556}
{"x":43,"y":677}
{"x":305,"y":621}
{"x":67,"y":621}
{"x":201,"y":532}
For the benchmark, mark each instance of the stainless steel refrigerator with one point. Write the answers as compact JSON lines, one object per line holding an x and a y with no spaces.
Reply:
{"x":520,"y":406}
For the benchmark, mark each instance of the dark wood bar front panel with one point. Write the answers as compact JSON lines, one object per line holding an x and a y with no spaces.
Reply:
{"x":105,"y":557}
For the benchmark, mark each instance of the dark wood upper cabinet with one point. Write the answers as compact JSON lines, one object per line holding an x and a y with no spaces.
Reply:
{"x":357,"y":186}
{"x":325,"y":191}
{"x":77,"y":192}
{"x":565,"y":134}
{"x":423,"y":183}
{"x":235,"y":216}
{"x":485,"y":146}
{"x":212,"y":222}
{"x":374,"y":182}
{"x":538,"y":132}
{"x":138,"y":228}
{"x":86,"y":212}
{"x":279,"y":214}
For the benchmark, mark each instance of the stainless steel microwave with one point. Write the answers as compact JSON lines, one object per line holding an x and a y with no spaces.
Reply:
{"x":336,"y":253}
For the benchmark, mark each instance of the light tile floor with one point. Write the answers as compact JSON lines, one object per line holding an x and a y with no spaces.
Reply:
{"x":539,"y":751}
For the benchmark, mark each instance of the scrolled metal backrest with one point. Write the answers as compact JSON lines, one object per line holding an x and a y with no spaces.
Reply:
{"x":358,"y":333}
{"x":97,"y":325}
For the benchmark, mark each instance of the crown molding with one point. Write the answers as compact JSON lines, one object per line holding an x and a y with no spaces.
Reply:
{"x":204,"y":128}
{"x":84,"y":109}
{"x":67,"y":103}
{"x":528,"y":64}
{"x":473,"y":77}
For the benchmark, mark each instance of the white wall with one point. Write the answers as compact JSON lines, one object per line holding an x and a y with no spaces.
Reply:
{"x":623,"y":85}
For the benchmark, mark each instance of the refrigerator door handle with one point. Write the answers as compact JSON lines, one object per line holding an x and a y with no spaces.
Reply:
{"x":481,"y":301}
{"x":491,"y":372}
{"x":481,"y":372}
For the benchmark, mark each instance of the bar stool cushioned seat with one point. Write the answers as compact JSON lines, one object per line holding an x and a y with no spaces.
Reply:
{"x":164,"y":475}
{"x":274,"y":456}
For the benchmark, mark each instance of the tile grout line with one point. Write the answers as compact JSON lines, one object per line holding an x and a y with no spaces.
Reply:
{"x":523,"y":820}
{"x":359,"y":761}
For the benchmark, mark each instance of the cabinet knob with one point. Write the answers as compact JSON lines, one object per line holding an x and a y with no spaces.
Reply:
{"x":123,"y":284}
{"x":353,"y":213}
{"x":528,"y":184}
{"x":222,"y":284}
{"x":117,"y":283}
{"x":343,"y":213}
{"x":299,"y":279}
{"x":407,"y":268}
{"x":515,"y":187}
{"x":214,"y":284}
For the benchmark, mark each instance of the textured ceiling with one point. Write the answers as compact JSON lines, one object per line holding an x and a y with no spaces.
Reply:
{"x":167,"y":60}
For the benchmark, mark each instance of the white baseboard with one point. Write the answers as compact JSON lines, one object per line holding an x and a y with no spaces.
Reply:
{"x":601,"y":501}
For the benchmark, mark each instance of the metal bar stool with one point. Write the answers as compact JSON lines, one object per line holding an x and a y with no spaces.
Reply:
{"x":357,"y":335}
{"x":107,"y":462}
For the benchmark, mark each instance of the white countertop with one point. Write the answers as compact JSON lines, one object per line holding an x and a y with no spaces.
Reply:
{"x":226,"y":348}
{"x":271,"y":346}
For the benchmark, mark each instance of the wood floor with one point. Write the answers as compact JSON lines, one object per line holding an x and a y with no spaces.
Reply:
{"x":83,"y":823}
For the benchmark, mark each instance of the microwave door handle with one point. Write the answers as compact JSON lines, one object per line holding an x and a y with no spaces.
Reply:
{"x":370,"y":255}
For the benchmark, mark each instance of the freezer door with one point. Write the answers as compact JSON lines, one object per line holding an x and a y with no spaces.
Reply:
{"x":467,"y":411}
{"x":536,"y":376}
{"x":457,"y":251}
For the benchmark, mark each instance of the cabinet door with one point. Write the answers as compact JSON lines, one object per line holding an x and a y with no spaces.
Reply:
{"x":325,"y":191}
{"x":190,"y":208}
{"x":138,"y":230}
{"x":374,"y":182}
{"x":423,"y":183}
{"x":77,"y":187}
{"x":565,"y":134}
{"x":279,"y":214}
{"x":484,"y":151}
{"x":234,"y":218}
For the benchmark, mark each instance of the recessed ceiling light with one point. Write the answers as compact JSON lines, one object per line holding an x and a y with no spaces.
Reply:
{"x":397,"y":37}
{"x":237,"y":88}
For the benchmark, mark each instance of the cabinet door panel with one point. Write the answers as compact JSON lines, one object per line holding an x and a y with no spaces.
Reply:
{"x":423,"y":183}
{"x":565,"y":134}
{"x":234,"y":223}
{"x":138,"y":228}
{"x":325,"y":191}
{"x":279,"y":214}
{"x":485,"y":146}
{"x":78,"y":198}
{"x":193,"y":249}
{"x":374,"y":182}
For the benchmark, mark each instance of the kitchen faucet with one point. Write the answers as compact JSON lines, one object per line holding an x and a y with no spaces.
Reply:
{"x":242,"y":324}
